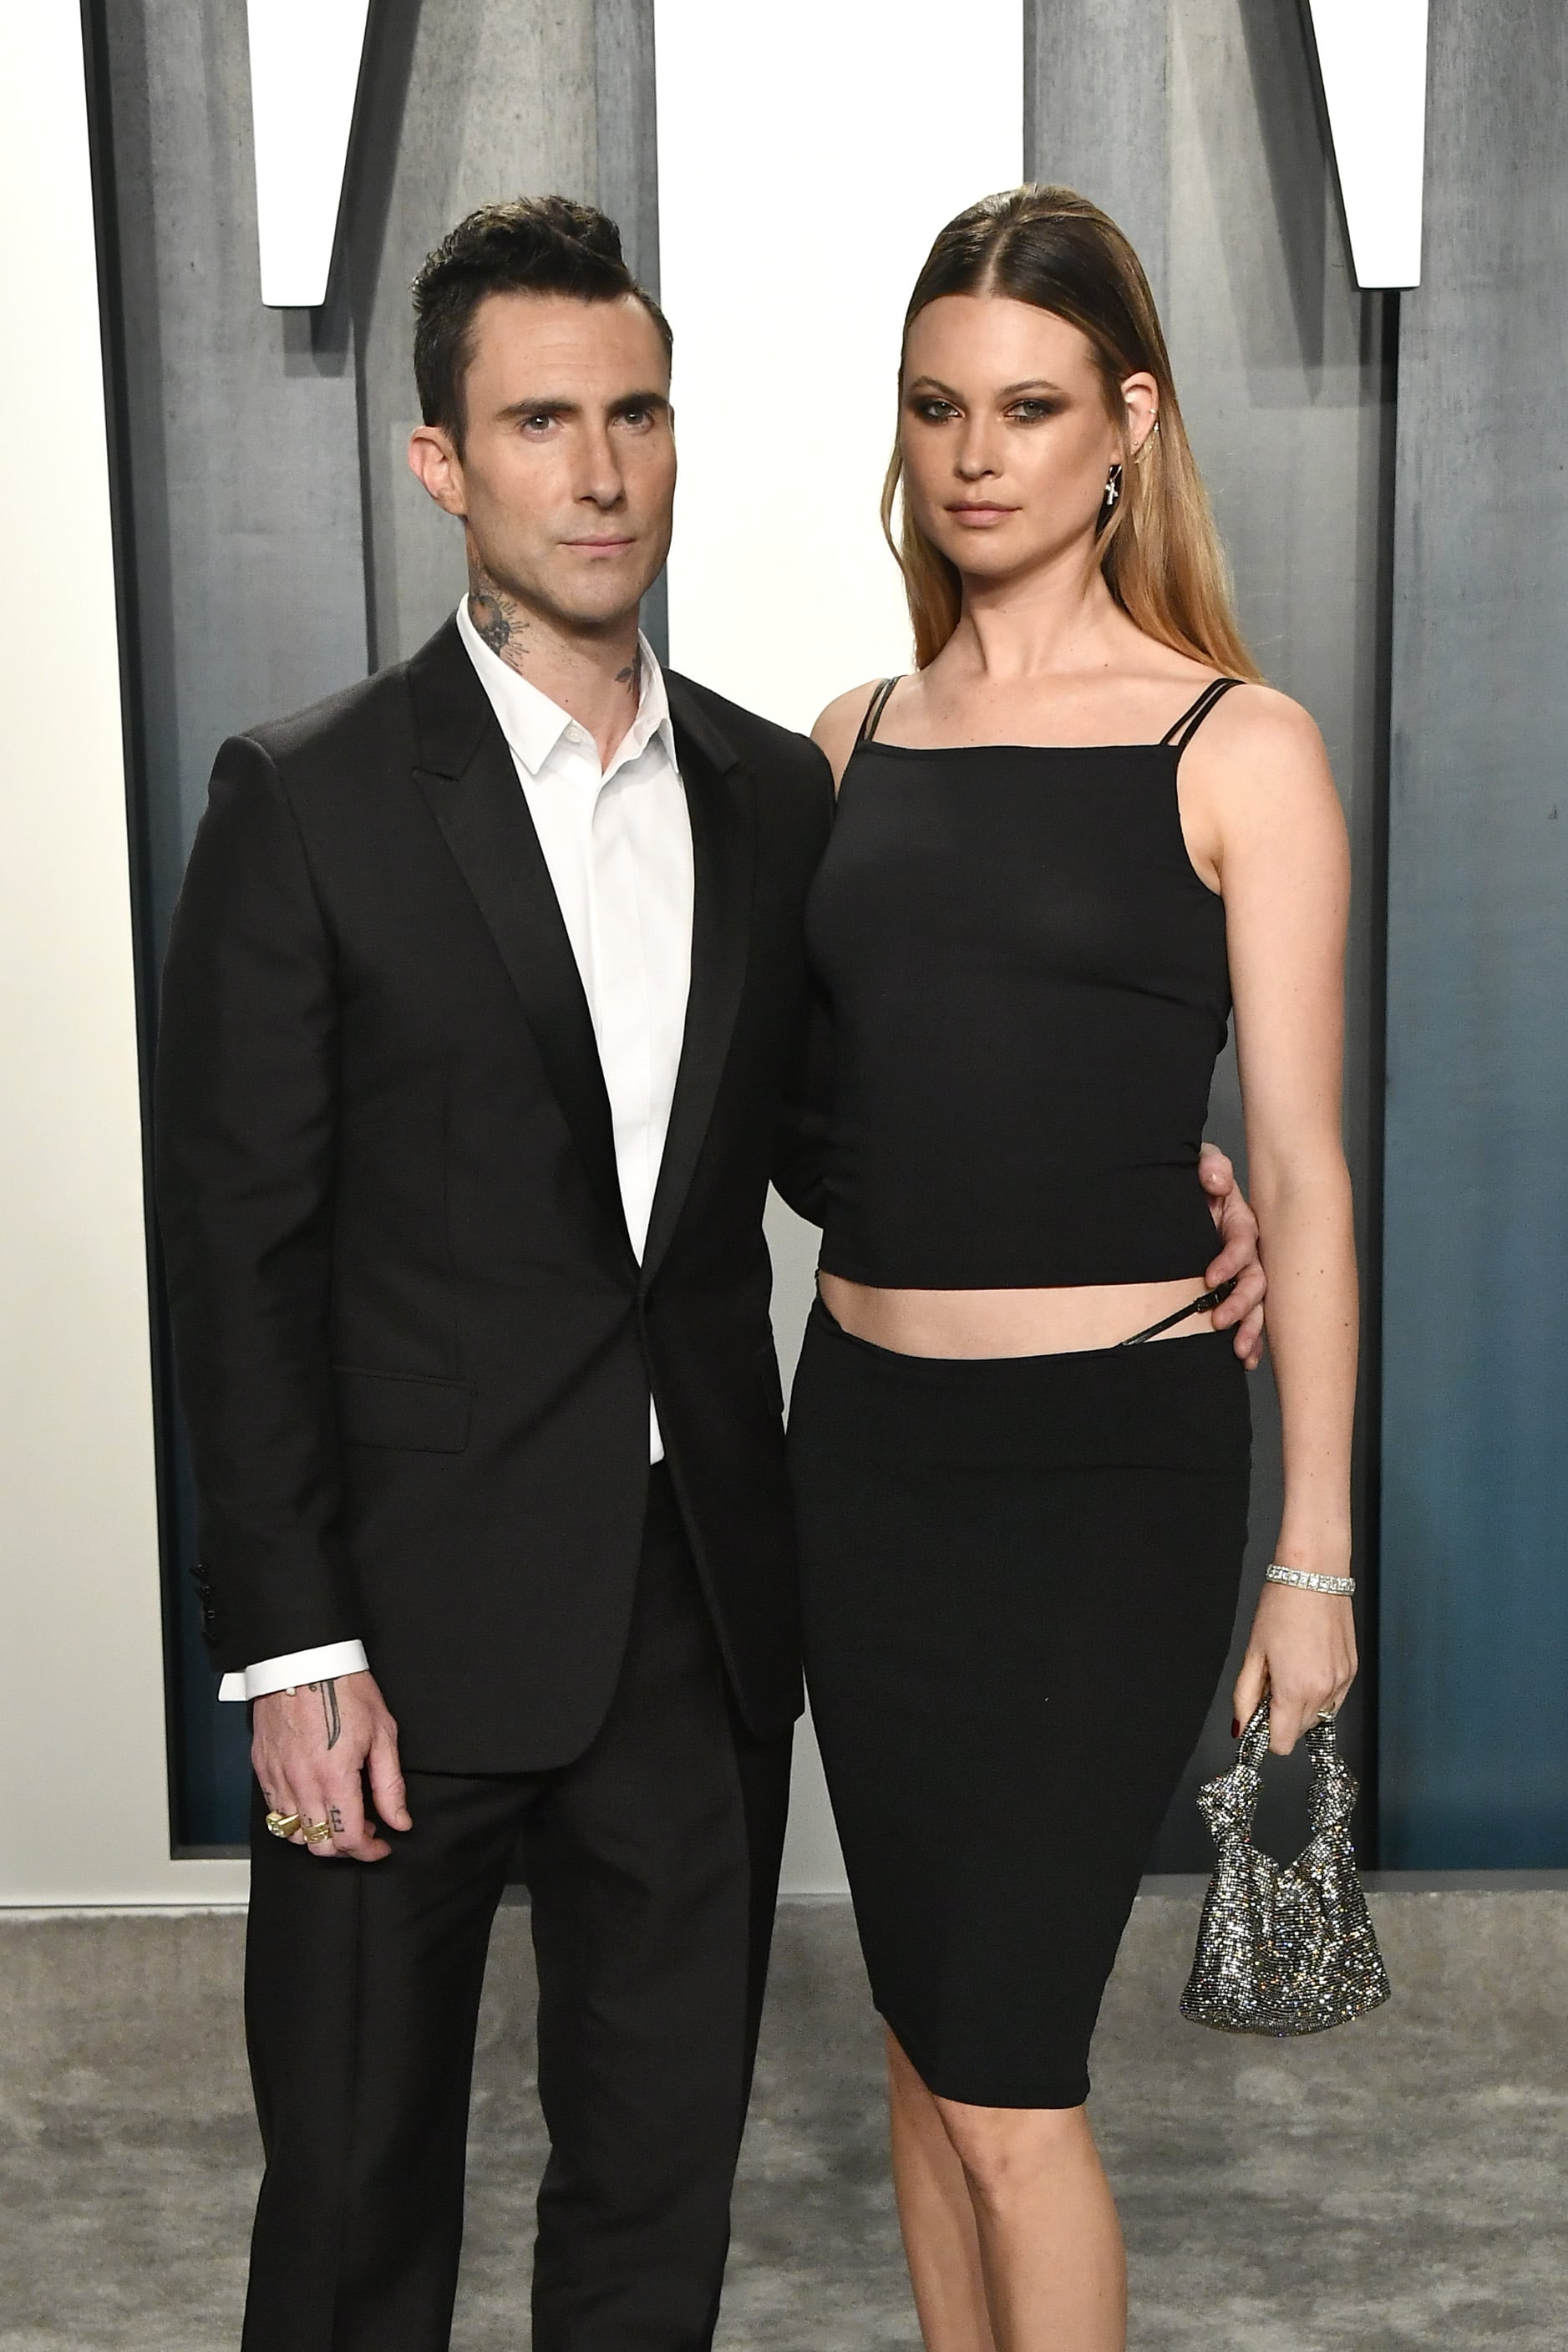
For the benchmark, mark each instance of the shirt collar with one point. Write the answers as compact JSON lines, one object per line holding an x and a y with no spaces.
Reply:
{"x":533,"y":725}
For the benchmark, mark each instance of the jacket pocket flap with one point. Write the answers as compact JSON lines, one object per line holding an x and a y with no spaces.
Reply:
{"x":400,"y":1409}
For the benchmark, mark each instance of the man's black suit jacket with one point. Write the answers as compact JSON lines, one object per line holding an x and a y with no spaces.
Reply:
{"x":415,"y":1349}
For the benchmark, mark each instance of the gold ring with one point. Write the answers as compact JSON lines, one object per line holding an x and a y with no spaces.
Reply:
{"x":284,"y":1825}
{"x":316,"y":1833}
{"x":1327,"y":1713}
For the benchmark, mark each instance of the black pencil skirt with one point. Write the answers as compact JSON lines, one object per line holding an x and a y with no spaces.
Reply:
{"x":1020,"y":1579}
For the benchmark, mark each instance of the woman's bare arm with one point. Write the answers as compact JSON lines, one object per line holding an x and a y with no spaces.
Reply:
{"x":1264,"y":794}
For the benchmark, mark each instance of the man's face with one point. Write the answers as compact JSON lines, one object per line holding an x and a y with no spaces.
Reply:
{"x":566,"y":476}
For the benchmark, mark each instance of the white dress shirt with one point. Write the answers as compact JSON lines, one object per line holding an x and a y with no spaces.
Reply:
{"x":618,"y":843}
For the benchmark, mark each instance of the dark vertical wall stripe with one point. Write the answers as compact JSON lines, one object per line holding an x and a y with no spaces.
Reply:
{"x":1475,"y":1594}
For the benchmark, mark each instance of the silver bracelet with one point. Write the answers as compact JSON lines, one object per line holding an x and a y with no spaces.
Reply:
{"x":1307,"y":1580}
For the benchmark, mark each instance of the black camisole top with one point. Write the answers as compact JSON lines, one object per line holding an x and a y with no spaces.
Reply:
{"x":1028,"y":988}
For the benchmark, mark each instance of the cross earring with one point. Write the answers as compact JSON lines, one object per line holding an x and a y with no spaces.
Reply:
{"x":1112,"y":498}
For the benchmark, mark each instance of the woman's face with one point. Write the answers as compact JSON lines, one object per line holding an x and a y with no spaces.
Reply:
{"x":1006,"y":438}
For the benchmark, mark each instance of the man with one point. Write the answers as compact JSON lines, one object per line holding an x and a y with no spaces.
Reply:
{"x":484,"y":1029}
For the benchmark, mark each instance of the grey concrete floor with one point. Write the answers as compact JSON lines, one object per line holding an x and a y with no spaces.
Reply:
{"x":1397,"y":2183}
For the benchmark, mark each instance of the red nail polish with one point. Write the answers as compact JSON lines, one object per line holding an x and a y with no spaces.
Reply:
{"x":1236,"y":1726}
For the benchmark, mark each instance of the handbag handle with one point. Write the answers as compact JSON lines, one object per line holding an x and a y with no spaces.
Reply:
{"x":1333,"y":1791}
{"x":1254,"y":1746}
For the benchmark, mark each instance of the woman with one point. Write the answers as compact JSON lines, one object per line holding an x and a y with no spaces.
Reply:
{"x":1064,"y":844}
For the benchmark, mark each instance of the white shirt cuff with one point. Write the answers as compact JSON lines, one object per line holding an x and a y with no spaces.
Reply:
{"x":316,"y":1666}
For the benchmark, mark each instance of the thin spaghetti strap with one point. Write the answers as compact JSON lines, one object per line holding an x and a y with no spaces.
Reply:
{"x":1179,"y":736}
{"x":1198,"y":1307}
{"x":874,"y":709}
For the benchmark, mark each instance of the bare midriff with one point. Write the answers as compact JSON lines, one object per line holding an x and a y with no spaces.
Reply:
{"x":974,"y":1323}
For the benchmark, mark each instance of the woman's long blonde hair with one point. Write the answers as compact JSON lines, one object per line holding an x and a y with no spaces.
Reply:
{"x":1159,"y":551}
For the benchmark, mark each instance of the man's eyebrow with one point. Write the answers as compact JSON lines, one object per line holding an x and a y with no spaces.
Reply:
{"x":547,"y":407}
{"x":537,"y":408}
{"x":557,"y":408}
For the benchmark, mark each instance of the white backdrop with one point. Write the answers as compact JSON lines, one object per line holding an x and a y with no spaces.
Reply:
{"x":84,"y":1816}
{"x":807,"y":158}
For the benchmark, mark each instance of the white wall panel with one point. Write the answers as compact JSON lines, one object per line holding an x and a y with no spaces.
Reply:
{"x":304,"y":74}
{"x":84,"y":1817}
{"x":807,"y":159}
{"x":1372,"y":60}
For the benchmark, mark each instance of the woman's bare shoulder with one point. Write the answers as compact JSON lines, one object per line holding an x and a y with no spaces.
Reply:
{"x":1256,"y":734}
{"x":1260,"y":716}
{"x":1259,"y":764}
{"x":840,"y":724}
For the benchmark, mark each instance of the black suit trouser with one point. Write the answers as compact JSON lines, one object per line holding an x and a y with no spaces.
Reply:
{"x":652,"y":1865}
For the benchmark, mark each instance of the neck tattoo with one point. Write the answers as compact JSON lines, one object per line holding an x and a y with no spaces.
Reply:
{"x":504,"y":626}
{"x":498,"y":618}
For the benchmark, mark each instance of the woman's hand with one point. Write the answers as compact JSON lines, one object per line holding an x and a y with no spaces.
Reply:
{"x":1237,"y":1230}
{"x":1302,"y":1652}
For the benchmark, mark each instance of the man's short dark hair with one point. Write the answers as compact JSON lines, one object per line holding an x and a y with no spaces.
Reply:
{"x":538,"y":245}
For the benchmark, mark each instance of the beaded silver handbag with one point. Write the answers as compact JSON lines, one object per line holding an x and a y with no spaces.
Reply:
{"x":1283,"y":1948}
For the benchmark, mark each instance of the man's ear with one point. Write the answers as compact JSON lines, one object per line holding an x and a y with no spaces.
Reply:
{"x":431,"y":456}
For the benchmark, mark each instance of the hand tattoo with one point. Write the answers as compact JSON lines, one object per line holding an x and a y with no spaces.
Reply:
{"x":331,"y":1716}
{"x":335,"y":1818}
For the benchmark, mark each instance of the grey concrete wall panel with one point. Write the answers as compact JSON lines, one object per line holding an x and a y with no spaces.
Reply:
{"x":240,"y":530}
{"x":1096,"y":113}
{"x":244,"y":485}
{"x":625,"y":85}
{"x":628,"y":148}
{"x":1197,"y":128}
{"x":1474,"y":1716}
{"x":500,"y":102}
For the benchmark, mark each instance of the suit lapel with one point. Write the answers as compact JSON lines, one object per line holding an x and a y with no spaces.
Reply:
{"x":721,"y":803}
{"x":468,"y":779}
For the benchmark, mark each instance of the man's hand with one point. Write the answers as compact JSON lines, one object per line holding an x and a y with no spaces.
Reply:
{"x":313,"y":1750}
{"x":1237,"y":1256}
